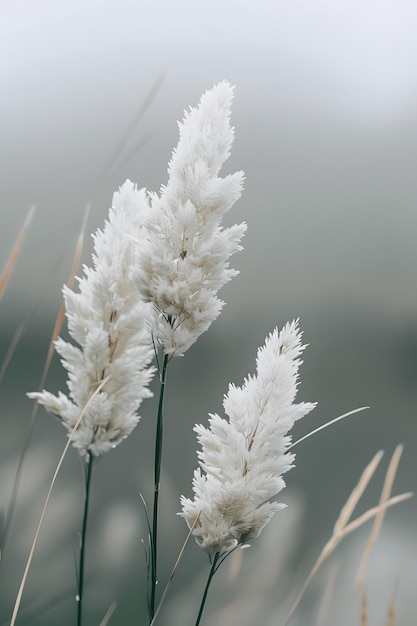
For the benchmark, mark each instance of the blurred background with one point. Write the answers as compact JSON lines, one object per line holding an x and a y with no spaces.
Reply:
{"x":325,"y":113}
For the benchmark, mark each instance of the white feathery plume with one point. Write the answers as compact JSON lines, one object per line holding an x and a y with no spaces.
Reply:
{"x":242,"y":459}
{"x":107,"y":319}
{"x":184,"y":260}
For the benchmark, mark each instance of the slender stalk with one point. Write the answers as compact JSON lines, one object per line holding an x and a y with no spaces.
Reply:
{"x":88,"y":474}
{"x":157,"y":476}
{"x":213,"y":570}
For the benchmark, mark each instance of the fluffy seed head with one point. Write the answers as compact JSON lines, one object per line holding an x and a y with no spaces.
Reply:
{"x":107,"y":322}
{"x":184,"y":260}
{"x":243,"y":458}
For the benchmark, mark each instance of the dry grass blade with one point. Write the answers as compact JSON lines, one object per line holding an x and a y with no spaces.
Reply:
{"x":370,"y":513}
{"x":118,"y":154}
{"x":356,"y":494}
{"x":364,"y":611}
{"x":55,"y":333}
{"x":12,"y":347}
{"x":15,"y":487}
{"x":343,"y":528}
{"x":337,"y":538}
{"x":58,"y":467}
{"x":108,"y":615}
{"x":4,"y":278}
{"x":326,"y":598}
{"x":323,"y":426}
{"x":177,"y":562}
{"x":385,"y":494}
{"x":391,"y":613}
{"x":135,"y":148}
{"x":61,"y":313}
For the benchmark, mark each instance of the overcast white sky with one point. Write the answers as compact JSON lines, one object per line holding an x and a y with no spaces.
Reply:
{"x":368,"y":47}
{"x":325,"y":114}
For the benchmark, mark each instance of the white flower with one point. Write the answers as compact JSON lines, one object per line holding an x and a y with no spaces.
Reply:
{"x":107,"y":320}
{"x":184,"y":260}
{"x":244,"y":458}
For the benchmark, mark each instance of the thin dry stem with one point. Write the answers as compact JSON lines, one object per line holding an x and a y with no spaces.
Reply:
{"x":370,"y":513}
{"x":61,"y":313}
{"x":385,"y":494}
{"x":108,"y":615}
{"x":364,"y":615}
{"x":4,"y":278}
{"x":327,"y":596}
{"x":357,"y":493}
{"x":58,"y":467}
{"x":364,"y":611}
{"x":11,"y":349}
{"x":343,"y":528}
{"x":330,"y":423}
{"x":121,"y":148}
{"x":391,"y":613}
{"x":55,"y":333}
{"x":336,"y":539}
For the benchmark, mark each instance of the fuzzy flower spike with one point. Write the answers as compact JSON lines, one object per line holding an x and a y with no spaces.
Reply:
{"x":184,"y":261}
{"x":243,"y":458}
{"x":107,"y":320}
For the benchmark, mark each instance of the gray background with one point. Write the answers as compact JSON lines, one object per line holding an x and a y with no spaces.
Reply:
{"x":326,"y":125}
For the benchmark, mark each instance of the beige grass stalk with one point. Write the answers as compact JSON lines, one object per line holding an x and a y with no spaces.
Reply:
{"x":327,"y":596}
{"x":12,"y":347}
{"x":356,"y":494}
{"x":343,"y":527}
{"x":364,"y":615}
{"x":391,"y":613}
{"x":58,"y":467}
{"x":385,"y":494}
{"x":61,"y":313}
{"x":55,"y":333}
{"x":4,"y":278}
{"x":59,"y":319}
{"x":364,"y":611}
{"x":60,"y":316}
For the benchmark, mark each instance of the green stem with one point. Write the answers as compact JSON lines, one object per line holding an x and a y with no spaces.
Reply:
{"x":213,"y":570}
{"x":157,"y":475}
{"x":88,"y":474}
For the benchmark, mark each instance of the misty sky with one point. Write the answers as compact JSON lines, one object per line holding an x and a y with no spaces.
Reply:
{"x":326,"y":128}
